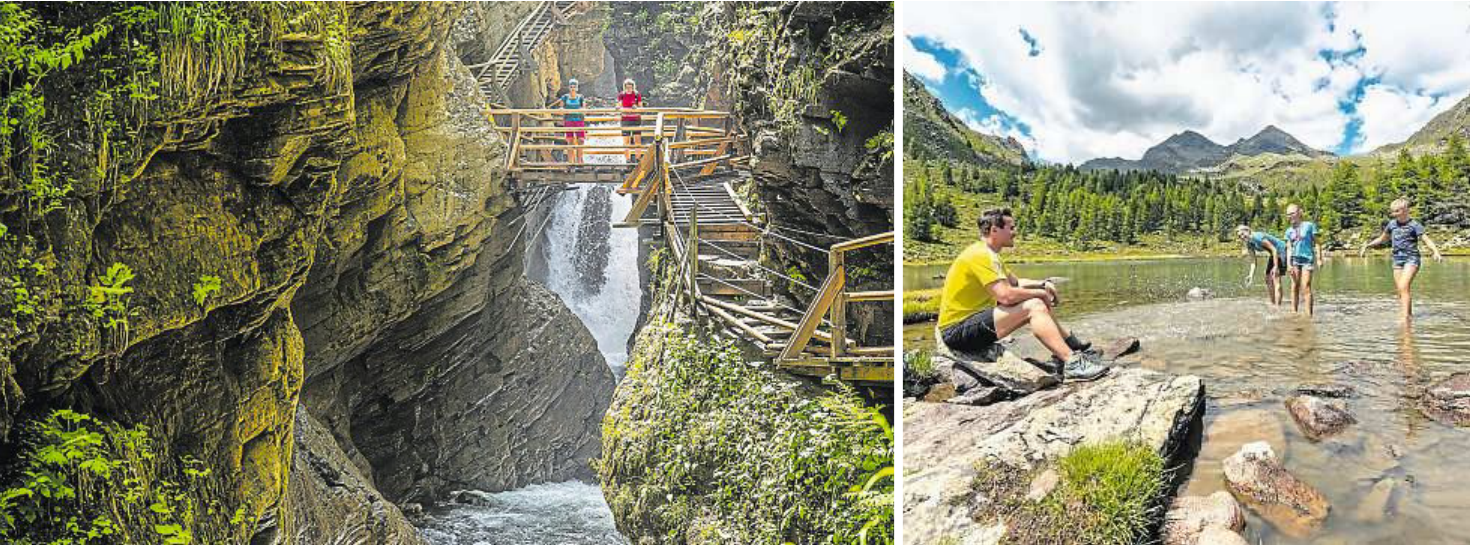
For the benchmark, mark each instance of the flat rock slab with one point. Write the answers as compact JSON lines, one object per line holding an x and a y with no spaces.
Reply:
{"x":979,"y":396}
{"x":1009,"y":372}
{"x":1319,"y":418}
{"x":1258,"y":479}
{"x":1448,"y":401}
{"x":943,"y":442}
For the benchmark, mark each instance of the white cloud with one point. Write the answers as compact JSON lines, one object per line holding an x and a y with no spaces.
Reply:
{"x":1115,"y":79}
{"x":1391,"y":116}
{"x":993,"y":125}
{"x":921,"y":64}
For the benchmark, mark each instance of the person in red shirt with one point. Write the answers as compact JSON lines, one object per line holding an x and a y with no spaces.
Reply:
{"x":630,"y":99}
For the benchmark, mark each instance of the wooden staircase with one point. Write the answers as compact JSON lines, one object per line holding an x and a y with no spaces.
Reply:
{"x":496,"y":74}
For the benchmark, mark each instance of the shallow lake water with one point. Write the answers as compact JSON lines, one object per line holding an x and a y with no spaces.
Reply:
{"x":1252,"y":356}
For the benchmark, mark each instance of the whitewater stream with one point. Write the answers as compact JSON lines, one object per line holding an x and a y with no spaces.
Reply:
{"x":594,"y":268}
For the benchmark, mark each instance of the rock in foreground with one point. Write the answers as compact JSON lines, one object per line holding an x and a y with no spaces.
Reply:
{"x":1190,"y":516}
{"x":943,"y":442}
{"x":1319,"y":418}
{"x":1257,"y":478}
{"x":1448,"y":400}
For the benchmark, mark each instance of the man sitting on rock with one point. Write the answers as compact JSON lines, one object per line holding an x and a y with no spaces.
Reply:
{"x":983,"y":303}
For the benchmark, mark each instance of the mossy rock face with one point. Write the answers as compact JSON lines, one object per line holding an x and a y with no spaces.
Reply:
{"x":333,"y":192}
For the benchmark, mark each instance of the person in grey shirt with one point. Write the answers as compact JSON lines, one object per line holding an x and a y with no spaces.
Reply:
{"x":1404,"y":235}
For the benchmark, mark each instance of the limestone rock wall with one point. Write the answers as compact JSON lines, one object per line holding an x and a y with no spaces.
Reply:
{"x":348,"y":191}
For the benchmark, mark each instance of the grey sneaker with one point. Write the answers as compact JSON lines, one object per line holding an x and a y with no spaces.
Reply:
{"x":1083,"y":366}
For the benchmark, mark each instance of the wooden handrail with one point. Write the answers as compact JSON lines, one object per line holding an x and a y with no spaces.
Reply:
{"x":871,"y":240}
{"x":868,"y":296}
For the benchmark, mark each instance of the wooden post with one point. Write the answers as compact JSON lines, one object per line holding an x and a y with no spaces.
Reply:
{"x":515,"y":142}
{"x":836,"y":264}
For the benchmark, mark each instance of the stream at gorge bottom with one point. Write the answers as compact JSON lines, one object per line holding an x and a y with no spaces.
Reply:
{"x":1252,"y":356}
{"x":593,"y":267}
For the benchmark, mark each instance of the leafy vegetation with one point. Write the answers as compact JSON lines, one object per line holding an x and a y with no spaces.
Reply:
{"x":207,"y":285}
{"x":702,"y":446}
{"x":78,"y":480}
{"x":1107,"y":495}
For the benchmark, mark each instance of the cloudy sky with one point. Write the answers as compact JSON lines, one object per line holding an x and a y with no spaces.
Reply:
{"x":1077,"y":81}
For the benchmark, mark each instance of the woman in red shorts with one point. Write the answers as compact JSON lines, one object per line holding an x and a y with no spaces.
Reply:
{"x":573,"y":101}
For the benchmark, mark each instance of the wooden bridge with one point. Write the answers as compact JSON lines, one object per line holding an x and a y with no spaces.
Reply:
{"x":680,"y":166}
{"x":681,"y":172}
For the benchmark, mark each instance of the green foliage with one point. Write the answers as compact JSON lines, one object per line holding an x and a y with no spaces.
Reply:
{"x":919,"y":362}
{"x":920,"y":305}
{"x":78,"y":480}
{"x":207,"y":284}
{"x":881,"y":143}
{"x":705,"y":448}
{"x":839,"y":120}
{"x":926,"y":205}
{"x":1108,"y":494}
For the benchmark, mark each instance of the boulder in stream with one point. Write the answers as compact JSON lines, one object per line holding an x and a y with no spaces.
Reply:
{"x":1448,"y":400}
{"x":1258,"y":479}
{"x":1190,"y":516}
{"x":1319,"y":418}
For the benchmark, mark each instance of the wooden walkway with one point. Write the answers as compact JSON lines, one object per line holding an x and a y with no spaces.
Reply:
{"x":496,"y":74}
{"x":680,"y":166}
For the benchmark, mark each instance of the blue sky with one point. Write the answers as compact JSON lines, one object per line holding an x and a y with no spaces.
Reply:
{"x":1076,"y":81}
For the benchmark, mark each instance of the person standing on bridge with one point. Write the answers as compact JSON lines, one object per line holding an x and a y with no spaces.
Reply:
{"x":984,"y":302}
{"x":573,"y":100}
{"x":630,"y":99}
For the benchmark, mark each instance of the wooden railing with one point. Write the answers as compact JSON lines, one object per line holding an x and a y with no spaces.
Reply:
{"x":690,"y":138}
{"x":833,"y":298}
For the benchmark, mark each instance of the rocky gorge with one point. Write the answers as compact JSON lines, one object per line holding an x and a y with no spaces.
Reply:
{"x":287,"y":259}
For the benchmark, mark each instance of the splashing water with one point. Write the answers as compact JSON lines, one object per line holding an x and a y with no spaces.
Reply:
{"x":591,"y":265}
{"x":569,"y":513}
{"x":594,"y":268}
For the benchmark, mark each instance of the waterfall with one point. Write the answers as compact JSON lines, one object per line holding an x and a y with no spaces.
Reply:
{"x":591,"y":265}
{"x":594,"y":268}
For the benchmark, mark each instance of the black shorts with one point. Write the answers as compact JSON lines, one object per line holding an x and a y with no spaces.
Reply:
{"x":975,"y":333}
{"x":1276,"y":267}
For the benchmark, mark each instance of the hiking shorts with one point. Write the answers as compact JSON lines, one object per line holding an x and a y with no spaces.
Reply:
{"x":975,"y":333}
{"x":1400,"y":261}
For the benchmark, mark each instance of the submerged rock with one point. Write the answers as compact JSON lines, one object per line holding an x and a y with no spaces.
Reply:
{"x":1448,"y":400}
{"x":1215,"y":535}
{"x":1190,"y":516}
{"x":1291,"y":505}
{"x":1378,"y":502}
{"x":1319,"y":418}
{"x":1199,"y":294}
{"x":1334,"y":391}
{"x":944,"y":442}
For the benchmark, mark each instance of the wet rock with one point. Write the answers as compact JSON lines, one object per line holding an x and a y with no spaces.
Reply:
{"x":1377,"y":503}
{"x":1448,"y":401}
{"x":1199,"y":294}
{"x":943,"y":442}
{"x":1334,"y":391}
{"x":331,"y":501}
{"x":1258,"y":479}
{"x":1225,"y":435}
{"x":979,"y":396}
{"x":1121,"y":347}
{"x":1319,"y":418}
{"x":1043,"y":484}
{"x":1190,"y":516}
{"x":1215,"y":535}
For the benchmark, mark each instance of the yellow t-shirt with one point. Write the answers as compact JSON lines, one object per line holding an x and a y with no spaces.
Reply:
{"x":966,"y":287}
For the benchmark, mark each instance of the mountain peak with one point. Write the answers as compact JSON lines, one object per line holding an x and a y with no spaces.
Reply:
{"x":1273,"y":139}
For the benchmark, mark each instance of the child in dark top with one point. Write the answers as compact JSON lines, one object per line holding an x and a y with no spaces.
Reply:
{"x":1404,"y":235}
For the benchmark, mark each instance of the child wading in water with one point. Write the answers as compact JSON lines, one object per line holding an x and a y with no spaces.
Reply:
{"x":1404,"y":234}
{"x":1275,"y":248}
{"x":573,"y":101}
{"x":1304,"y":256}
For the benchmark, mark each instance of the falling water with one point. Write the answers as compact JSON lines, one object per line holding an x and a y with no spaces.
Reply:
{"x":594,"y":268}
